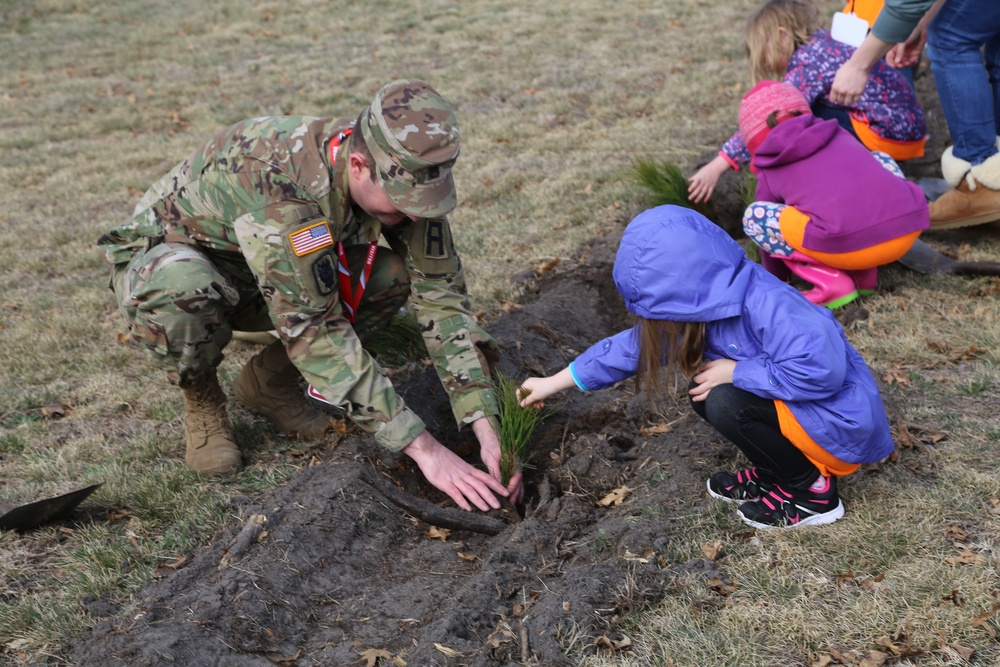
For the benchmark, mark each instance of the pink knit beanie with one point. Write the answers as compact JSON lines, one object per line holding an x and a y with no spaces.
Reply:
{"x":765,"y":98}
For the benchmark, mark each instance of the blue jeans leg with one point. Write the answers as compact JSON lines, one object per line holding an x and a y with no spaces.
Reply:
{"x":822,"y":110}
{"x":966,"y":81}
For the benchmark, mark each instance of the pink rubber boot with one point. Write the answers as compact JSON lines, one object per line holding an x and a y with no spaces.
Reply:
{"x":866,"y":280}
{"x":832,"y":287}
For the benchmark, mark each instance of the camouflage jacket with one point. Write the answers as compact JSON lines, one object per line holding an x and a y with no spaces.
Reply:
{"x":242,"y":197}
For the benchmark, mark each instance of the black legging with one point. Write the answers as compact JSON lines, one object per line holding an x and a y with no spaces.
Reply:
{"x":751,"y":423}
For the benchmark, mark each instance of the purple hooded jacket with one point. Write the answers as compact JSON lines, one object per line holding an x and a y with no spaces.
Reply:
{"x":852,"y":200}
{"x":675,"y":264}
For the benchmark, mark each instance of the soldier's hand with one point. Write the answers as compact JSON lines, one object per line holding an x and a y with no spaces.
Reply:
{"x":489,"y":444}
{"x":450,"y":474}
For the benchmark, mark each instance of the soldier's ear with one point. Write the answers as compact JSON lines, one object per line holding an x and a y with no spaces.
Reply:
{"x":357,"y":165}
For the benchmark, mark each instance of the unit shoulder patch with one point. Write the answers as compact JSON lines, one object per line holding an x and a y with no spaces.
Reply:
{"x":324,"y":271}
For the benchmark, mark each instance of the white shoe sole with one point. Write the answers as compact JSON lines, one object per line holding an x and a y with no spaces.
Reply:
{"x":815,"y":520}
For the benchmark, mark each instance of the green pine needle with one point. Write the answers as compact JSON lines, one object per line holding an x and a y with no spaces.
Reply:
{"x":665,"y":183}
{"x":516,"y":426}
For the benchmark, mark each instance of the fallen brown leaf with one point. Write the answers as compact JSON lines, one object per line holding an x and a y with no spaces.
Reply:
{"x":469,"y":557}
{"x":164,"y":569}
{"x":616,"y":497}
{"x":611,"y":646}
{"x":656,"y":429}
{"x":822,"y":660}
{"x":984,"y":619}
{"x":436,"y":533}
{"x":721,"y":587}
{"x":874,"y":659}
{"x":635,"y":558}
{"x":545,"y":267}
{"x":967,"y":557}
{"x":898,"y":650}
{"x":933,"y":437}
{"x":56,"y":410}
{"x":897,"y":375}
{"x":954,"y":597}
{"x":956,"y":532}
{"x":371,"y":656}
{"x":963,"y":651}
{"x":502,"y":635}
{"x":713,"y":551}
{"x":286,"y":661}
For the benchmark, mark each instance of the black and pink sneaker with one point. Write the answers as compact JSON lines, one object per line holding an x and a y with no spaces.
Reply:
{"x":791,"y":508}
{"x":747,"y":484}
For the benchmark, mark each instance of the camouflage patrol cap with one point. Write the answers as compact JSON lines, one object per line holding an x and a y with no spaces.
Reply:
{"x":412,"y":134}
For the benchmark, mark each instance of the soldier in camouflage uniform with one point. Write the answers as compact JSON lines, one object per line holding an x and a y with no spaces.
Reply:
{"x":274,"y":223}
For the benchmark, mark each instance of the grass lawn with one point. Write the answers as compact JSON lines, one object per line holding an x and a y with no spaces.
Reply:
{"x":555,"y":101}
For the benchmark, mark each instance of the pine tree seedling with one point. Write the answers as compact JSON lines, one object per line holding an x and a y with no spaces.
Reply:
{"x":516,"y":426}
{"x":664,"y":183}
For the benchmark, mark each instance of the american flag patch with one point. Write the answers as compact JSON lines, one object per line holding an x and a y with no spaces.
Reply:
{"x":311,"y":239}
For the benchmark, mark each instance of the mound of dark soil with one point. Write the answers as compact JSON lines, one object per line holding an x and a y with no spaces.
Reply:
{"x":328,"y":571}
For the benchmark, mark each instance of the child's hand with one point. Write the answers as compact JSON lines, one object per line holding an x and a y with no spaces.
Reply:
{"x":705,"y":179}
{"x":534,"y":390}
{"x":713,"y":373}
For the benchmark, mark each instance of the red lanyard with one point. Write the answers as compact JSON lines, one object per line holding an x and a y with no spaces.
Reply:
{"x":348,"y":297}
{"x":335,"y":145}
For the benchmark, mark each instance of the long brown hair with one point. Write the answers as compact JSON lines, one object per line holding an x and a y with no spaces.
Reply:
{"x":768,"y":54}
{"x":665,"y":345}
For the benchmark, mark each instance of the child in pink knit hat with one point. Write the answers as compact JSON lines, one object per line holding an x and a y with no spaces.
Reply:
{"x":826,"y":210}
{"x":784,"y":42}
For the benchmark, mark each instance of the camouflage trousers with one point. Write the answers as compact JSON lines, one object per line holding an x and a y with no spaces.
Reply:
{"x":182,"y":308}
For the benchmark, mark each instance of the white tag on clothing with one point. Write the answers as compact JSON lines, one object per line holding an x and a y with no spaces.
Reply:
{"x":849,"y":29}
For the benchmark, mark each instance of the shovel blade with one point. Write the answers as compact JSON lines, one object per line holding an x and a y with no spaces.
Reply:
{"x":924,"y":259}
{"x":39,"y":512}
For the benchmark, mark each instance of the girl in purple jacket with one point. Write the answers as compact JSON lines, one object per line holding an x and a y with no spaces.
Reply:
{"x":825,"y":210}
{"x":771,"y":371}
{"x":784,"y":43}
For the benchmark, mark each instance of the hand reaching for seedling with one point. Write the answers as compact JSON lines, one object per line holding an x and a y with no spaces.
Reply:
{"x":536,"y":390}
{"x":516,"y":424}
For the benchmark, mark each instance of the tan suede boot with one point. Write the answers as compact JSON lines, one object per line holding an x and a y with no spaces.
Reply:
{"x":975,"y":197}
{"x":210,"y":446}
{"x":269,"y":385}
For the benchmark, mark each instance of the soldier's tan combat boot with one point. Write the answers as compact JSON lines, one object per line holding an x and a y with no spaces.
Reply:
{"x":269,"y":386}
{"x":975,"y":194}
{"x":210,"y":446}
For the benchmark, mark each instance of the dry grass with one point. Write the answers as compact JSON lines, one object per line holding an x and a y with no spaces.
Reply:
{"x":555,"y":101}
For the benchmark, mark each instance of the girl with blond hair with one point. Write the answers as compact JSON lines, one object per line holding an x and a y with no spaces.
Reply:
{"x":785,"y":43}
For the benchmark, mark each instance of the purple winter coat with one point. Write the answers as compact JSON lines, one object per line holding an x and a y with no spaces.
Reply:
{"x":852,"y":200}
{"x":675,"y":264}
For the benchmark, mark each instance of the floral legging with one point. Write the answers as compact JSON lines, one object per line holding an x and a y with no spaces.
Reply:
{"x":760,"y":220}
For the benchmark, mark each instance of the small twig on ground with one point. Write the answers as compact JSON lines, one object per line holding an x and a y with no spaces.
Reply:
{"x":247,"y":536}
{"x":428,"y":512}
{"x":525,"y":649}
